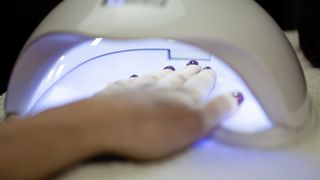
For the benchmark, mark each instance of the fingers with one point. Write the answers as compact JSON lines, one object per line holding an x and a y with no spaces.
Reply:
{"x":220,"y":108}
{"x":120,"y":85}
{"x":152,"y":79}
{"x":140,"y":82}
{"x":133,"y":82}
{"x":165,"y":72}
{"x":177,"y":79}
{"x":201,"y":84}
{"x":196,"y":83}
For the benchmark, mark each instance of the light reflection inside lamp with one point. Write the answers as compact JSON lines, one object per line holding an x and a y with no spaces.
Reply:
{"x":50,"y":75}
{"x":59,"y":70}
{"x":61,"y":58}
{"x":96,"y":41}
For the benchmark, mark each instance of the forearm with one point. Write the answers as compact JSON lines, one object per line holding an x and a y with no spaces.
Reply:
{"x":36,"y":147}
{"x":143,"y":126}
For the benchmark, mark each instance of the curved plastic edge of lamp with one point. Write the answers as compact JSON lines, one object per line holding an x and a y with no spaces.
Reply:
{"x":289,"y":125}
{"x":34,"y":60}
{"x":247,"y":39}
{"x":277,"y":136}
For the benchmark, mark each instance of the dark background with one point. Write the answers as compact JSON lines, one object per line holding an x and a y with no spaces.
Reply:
{"x":21,"y":17}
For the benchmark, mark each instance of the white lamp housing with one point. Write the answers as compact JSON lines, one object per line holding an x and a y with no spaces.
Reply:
{"x":83,"y":45}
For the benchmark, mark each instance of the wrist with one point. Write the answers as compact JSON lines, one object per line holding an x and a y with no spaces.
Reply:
{"x":43,"y":144}
{"x":84,"y":123}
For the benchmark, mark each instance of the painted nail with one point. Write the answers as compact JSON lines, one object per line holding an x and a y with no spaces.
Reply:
{"x":207,"y":67}
{"x":192,"y":62}
{"x":169,"y":67}
{"x":134,"y":76}
{"x":239,"y":96}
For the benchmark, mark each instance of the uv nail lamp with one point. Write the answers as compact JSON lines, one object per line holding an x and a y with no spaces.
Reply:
{"x":83,"y":45}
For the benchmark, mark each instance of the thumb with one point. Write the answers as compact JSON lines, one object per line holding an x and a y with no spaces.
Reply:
{"x":220,"y":108}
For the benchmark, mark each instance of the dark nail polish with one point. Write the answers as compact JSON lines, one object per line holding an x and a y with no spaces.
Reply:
{"x":192,"y":62}
{"x":170,"y":67}
{"x":207,"y":67}
{"x":134,"y":76}
{"x":239,"y":96}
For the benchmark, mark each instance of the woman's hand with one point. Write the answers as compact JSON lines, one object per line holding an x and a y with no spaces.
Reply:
{"x":140,"y":118}
{"x":158,"y":114}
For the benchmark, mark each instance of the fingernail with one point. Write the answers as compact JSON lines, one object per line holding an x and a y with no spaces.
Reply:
{"x":192,"y":62}
{"x":134,"y":76}
{"x":239,"y":96}
{"x":207,"y":67}
{"x":170,"y":67}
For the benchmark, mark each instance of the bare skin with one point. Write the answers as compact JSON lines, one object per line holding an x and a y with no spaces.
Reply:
{"x":143,"y":122}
